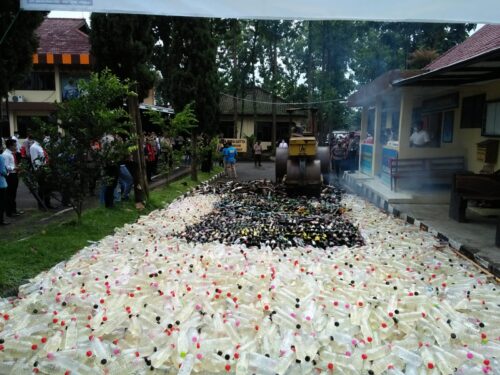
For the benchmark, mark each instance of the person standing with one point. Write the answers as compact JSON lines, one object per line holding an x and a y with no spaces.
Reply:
{"x":352,"y":152}
{"x":10,"y":159}
{"x":420,"y":137}
{"x":157,"y":148}
{"x":150,"y":156}
{"x":111,"y":170}
{"x":25,"y":148}
{"x":257,"y":153}
{"x":338,"y":155}
{"x":230,"y":154}
{"x":3,"y":189}
{"x":15,"y":137}
{"x":39,"y":159}
{"x":220,"y":150}
{"x":125,"y":180}
{"x":283,"y":144}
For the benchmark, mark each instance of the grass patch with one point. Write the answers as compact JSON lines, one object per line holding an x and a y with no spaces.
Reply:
{"x":22,"y":260}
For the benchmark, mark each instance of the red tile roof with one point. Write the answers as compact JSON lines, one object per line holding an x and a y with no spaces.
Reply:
{"x":63,"y":35}
{"x":484,"y":40}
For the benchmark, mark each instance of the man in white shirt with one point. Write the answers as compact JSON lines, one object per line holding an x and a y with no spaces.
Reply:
{"x":26,"y":145}
{"x":38,"y":160}
{"x":9,"y":156}
{"x":15,"y":137}
{"x":283,"y":144}
{"x":37,"y":155}
{"x":420,"y":137}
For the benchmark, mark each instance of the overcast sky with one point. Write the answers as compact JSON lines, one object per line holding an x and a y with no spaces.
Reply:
{"x":57,"y":14}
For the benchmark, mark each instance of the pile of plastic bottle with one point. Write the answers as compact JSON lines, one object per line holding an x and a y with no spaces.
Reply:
{"x":260,"y":213}
{"x":144,"y":301}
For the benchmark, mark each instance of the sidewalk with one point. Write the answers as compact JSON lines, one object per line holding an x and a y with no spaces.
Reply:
{"x":33,"y":220}
{"x":429,"y":211}
{"x":475,"y":238}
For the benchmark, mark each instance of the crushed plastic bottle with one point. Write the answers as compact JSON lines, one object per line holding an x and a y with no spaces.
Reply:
{"x":145,"y":301}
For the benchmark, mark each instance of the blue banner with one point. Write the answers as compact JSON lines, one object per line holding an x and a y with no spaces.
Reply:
{"x":366,"y":158}
{"x":387,"y":155}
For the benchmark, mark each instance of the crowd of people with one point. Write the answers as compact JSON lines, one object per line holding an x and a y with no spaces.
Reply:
{"x":12,"y":152}
{"x":115,"y":180}
{"x":227,"y":157}
{"x":344,"y":153}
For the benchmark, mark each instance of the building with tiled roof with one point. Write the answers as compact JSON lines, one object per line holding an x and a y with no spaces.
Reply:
{"x":62,"y":58}
{"x":63,"y":35}
{"x":456,"y":98}
{"x":261,"y":125}
{"x":486,"y":39}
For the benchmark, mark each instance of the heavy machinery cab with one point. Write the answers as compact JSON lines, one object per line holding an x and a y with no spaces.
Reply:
{"x":303,"y":166}
{"x":302,"y":146}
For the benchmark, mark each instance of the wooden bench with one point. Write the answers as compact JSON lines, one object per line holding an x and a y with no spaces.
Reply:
{"x":433,"y":169}
{"x":470,"y":186}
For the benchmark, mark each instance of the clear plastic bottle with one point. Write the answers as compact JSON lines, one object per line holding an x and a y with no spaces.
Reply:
{"x":71,"y":336}
{"x":377,"y":352}
{"x":409,"y":357}
{"x":260,"y":364}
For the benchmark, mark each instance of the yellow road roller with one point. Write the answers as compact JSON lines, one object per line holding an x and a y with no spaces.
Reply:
{"x":303,"y":166}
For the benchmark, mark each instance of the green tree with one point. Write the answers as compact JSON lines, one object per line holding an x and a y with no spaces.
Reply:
{"x":325,"y":50}
{"x":237,"y":55}
{"x":92,"y":118}
{"x":124,"y":44}
{"x":421,"y":58}
{"x":270,"y":68}
{"x":189,"y":71}
{"x":382,"y":46}
{"x":18,"y":42}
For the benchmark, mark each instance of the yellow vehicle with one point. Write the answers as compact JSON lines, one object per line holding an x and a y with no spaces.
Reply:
{"x":303,"y":165}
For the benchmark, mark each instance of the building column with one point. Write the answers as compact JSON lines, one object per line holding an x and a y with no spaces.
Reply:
{"x":364,"y":122}
{"x":362,"y":133}
{"x":405,"y":123}
{"x":377,"y":146}
{"x":12,"y":122}
{"x":58,"y":83}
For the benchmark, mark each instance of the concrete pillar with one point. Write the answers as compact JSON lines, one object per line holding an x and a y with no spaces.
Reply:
{"x":12,"y":123}
{"x":377,"y":147}
{"x":363,"y":131}
{"x":58,"y":83}
{"x":405,"y":123}
{"x":364,"y":122}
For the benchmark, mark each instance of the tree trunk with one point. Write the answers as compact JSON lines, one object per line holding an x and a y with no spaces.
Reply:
{"x":235,"y":114}
{"x":1,"y":113}
{"x":79,"y":211}
{"x":309,"y":68}
{"x":274,"y":62}
{"x":242,"y":113}
{"x":194,"y":157}
{"x":7,"y":110}
{"x":234,"y":31}
{"x":254,"y":92}
{"x":141,"y":189}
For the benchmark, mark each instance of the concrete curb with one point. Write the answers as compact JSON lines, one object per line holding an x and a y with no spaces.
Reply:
{"x":385,"y":206}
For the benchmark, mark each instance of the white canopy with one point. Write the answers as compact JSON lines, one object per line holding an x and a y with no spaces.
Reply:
{"x":476,"y":11}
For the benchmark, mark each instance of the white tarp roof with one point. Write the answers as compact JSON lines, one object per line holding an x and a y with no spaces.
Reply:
{"x":476,"y":11}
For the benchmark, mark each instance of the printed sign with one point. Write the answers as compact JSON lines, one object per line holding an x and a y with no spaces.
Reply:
{"x":238,"y":143}
{"x":69,"y":85}
{"x":366,"y":159}
{"x":387,"y":155}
